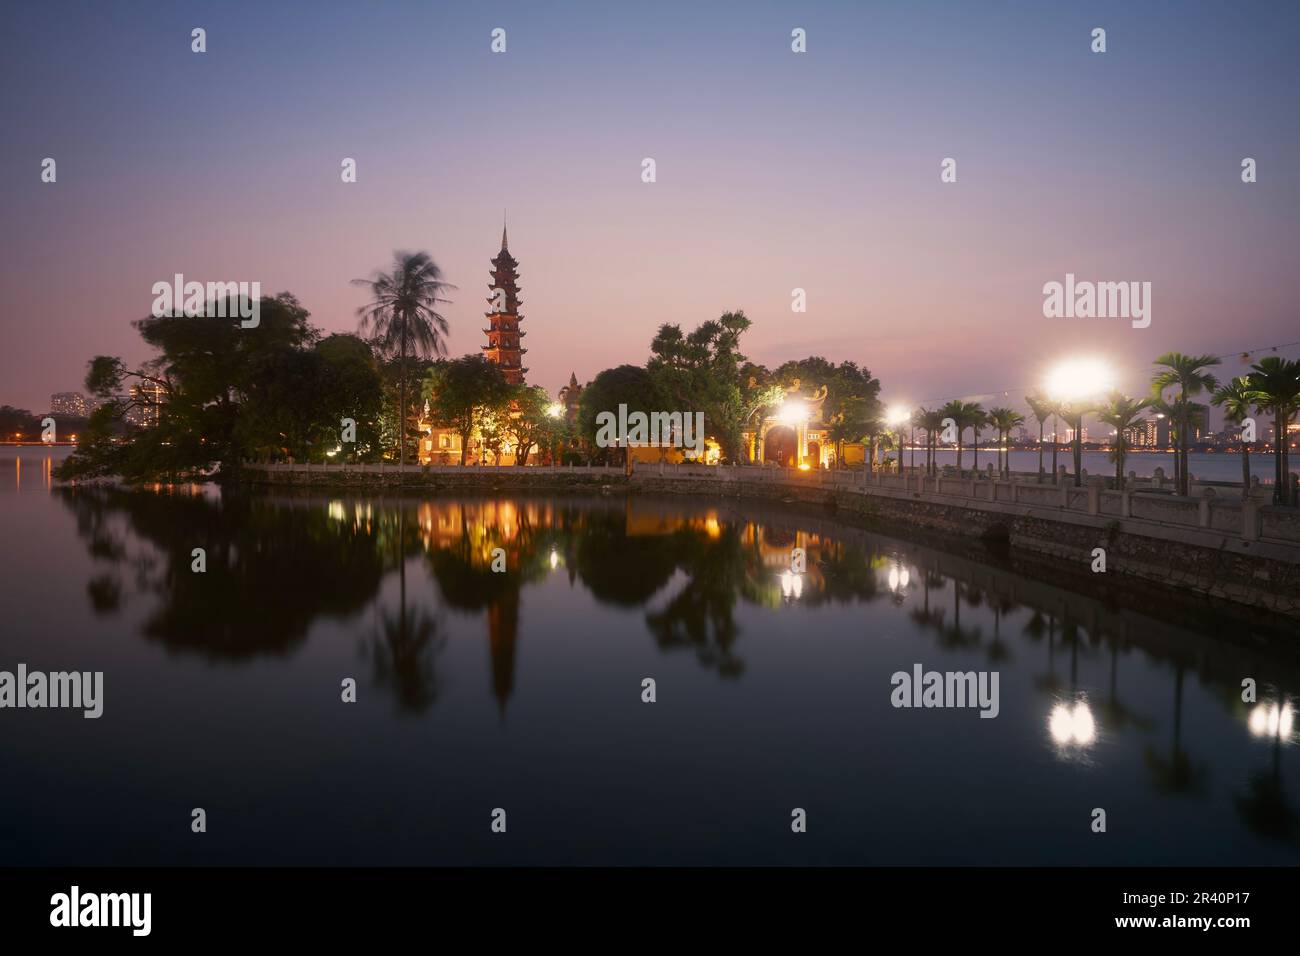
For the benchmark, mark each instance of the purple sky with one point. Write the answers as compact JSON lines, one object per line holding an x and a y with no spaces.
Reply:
{"x":775,"y":171}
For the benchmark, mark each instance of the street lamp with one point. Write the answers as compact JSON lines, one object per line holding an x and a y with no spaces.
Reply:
{"x":894,"y":418}
{"x":1076,"y":384}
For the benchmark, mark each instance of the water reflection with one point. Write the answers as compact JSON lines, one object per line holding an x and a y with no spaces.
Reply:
{"x":696,"y":580}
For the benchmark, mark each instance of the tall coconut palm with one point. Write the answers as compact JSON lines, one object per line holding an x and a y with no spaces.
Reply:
{"x":1277,"y":380}
{"x":1122,"y":414}
{"x":954,"y":410}
{"x":1236,"y":398}
{"x":1169,"y":413}
{"x":932,"y":422}
{"x":402,"y":318}
{"x":1042,"y":409}
{"x":1187,"y":374}
{"x":1005,"y":419}
{"x":977,"y":420}
{"x":1072,"y":414}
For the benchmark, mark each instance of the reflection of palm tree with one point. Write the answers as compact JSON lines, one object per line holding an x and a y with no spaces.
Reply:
{"x":923,"y":615}
{"x":1264,"y":808}
{"x":701,"y":615}
{"x":954,"y":636}
{"x":998,"y":650}
{"x":1117,"y":713}
{"x":1048,"y":682}
{"x":403,"y":652}
{"x":402,"y":656}
{"x":1177,"y":774}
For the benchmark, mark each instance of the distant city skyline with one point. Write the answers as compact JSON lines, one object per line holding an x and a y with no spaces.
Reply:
{"x":775,"y":171}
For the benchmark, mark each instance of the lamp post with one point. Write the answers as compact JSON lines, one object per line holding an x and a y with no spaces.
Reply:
{"x":895,"y":418}
{"x":1076,"y":384}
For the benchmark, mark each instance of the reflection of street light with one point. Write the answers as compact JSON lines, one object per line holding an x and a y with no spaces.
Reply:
{"x":555,"y":559}
{"x":1072,"y":725}
{"x":898,"y":578}
{"x":791,"y":585}
{"x":1270,"y":720}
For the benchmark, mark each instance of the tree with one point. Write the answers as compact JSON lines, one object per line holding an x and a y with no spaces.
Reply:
{"x":1187,"y":374}
{"x":932,"y":422}
{"x":701,"y":372}
{"x":1042,"y":409}
{"x":529,"y":421}
{"x":628,"y":385}
{"x":1277,"y":381}
{"x":1005,"y":419}
{"x":402,"y":317}
{"x":1236,"y":398}
{"x":1121,"y":413}
{"x":965,"y":415}
{"x":463,"y":392}
{"x":1072,"y":413}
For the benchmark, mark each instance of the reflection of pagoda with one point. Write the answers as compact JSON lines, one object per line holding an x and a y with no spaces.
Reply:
{"x":503,"y":331}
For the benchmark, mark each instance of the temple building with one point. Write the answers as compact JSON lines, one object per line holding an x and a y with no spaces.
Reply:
{"x":796,"y":434}
{"x":442,"y":446}
{"x":502,"y":332}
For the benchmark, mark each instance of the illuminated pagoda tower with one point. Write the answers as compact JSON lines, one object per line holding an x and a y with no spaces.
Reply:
{"x":503,"y":333}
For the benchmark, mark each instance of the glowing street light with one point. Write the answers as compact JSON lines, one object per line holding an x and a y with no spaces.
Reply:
{"x":555,"y":410}
{"x":1080,"y":379}
{"x":1075,"y":384}
{"x":792,"y":413}
{"x":896,"y":416}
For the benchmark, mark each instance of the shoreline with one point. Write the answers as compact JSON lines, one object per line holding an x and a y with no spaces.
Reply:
{"x":1206,"y":555}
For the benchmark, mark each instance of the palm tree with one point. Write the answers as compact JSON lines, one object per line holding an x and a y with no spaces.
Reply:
{"x":954,"y":410}
{"x":1005,"y":419}
{"x":402,"y":317}
{"x":1277,"y":380}
{"x":1042,"y":409}
{"x":977,"y":421}
{"x":965,"y":415}
{"x":1237,"y":398}
{"x":1170,"y":414}
{"x":1187,"y":374}
{"x":1121,"y":413}
{"x":1072,"y":413}
{"x":932,"y":422}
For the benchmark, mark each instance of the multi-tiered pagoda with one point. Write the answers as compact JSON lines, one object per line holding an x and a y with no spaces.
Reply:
{"x":503,"y":330}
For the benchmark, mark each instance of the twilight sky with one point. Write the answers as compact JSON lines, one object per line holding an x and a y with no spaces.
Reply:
{"x":775,"y":171}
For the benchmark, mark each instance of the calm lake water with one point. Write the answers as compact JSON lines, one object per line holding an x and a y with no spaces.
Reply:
{"x":522,"y":690}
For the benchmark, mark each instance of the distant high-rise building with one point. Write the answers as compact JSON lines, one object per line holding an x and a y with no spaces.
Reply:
{"x":145,"y":403}
{"x":1145,"y":434}
{"x":70,"y":403}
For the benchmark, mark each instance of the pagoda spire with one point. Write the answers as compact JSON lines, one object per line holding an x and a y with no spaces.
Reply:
{"x":503,"y":332}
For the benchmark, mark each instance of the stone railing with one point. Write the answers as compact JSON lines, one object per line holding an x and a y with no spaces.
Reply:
{"x":1142,"y":507}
